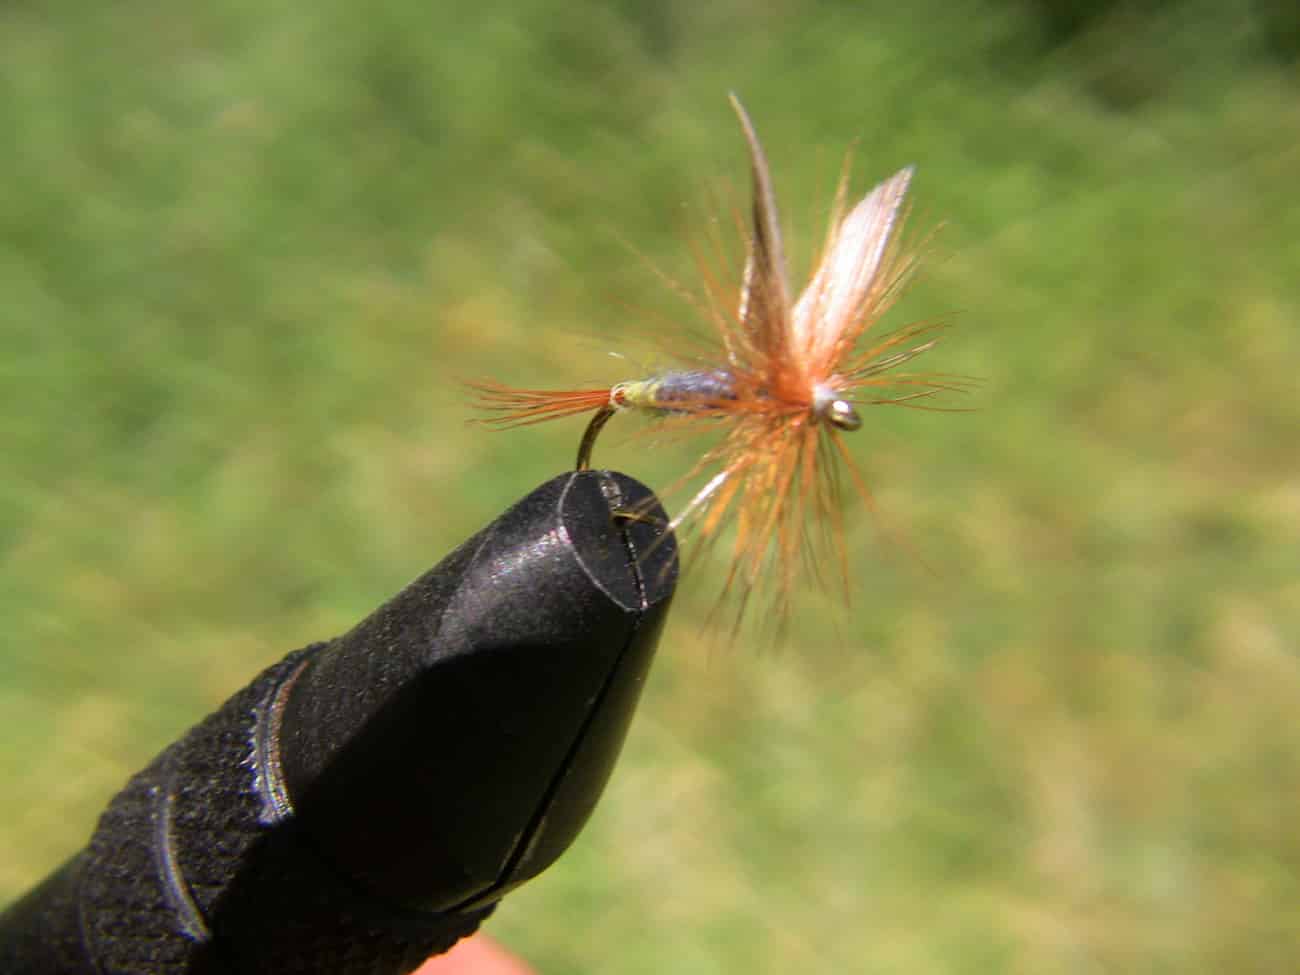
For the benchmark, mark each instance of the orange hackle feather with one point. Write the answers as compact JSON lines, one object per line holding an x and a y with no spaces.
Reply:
{"x":787,"y":379}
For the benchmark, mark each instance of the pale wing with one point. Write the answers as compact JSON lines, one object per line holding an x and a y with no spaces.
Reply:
{"x":832,"y":311}
{"x":764,"y":312}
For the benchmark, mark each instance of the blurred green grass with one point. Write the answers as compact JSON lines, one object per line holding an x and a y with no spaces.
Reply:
{"x":247,"y":252}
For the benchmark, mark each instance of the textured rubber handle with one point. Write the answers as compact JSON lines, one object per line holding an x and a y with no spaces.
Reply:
{"x":190,"y":836}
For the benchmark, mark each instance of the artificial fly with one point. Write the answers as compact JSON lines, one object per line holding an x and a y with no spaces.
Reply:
{"x":788,"y":380}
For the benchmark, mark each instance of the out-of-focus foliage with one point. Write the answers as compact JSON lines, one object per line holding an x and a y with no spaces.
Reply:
{"x":247,"y":252}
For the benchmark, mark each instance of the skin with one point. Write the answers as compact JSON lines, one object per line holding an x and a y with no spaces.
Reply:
{"x":478,"y":955}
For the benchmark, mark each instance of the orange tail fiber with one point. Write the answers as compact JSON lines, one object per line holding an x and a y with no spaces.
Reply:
{"x":510,"y":407}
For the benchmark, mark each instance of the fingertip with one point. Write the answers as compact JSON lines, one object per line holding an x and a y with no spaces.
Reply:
{"x":478,"y":955}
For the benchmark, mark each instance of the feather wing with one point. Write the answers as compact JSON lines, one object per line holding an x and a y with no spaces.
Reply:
{"x":846,"y":290}
{"x":764,"y":313}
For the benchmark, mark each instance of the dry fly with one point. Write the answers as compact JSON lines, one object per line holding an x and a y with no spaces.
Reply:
{"x":788,"y":379}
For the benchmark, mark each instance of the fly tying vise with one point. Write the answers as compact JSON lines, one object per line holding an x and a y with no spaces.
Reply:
{"x":789,"y":378}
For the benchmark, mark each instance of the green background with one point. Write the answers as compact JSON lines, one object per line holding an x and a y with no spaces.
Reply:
{"x":248,"y":252}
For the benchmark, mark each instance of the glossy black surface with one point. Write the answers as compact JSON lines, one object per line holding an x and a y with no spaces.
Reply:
{"x":363,"y":803}
{"x":453,"y":744}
